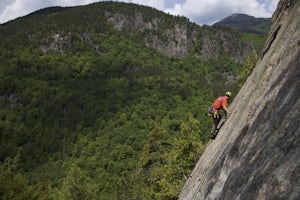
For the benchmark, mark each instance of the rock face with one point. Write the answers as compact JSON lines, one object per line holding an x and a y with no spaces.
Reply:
{"x":256,"y":154}
{"x":183,"y":38}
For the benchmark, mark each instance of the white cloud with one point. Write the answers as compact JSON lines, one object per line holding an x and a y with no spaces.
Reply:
{"x":210,"y":11}
{"x":4,"y":3}
{"x":158,"y":4}
{"x":10,"y":9}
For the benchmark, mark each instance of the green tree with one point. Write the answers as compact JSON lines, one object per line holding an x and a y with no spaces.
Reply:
{"x":77,"y":185}
{"x":185,"y":151}
{"x":187,"y":148}
{"x":247,"y":68}
{"x":15,"y":185}
{"x":152,"y":161}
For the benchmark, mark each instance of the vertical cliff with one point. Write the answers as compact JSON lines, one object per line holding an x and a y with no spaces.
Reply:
{"x":257,"y":152}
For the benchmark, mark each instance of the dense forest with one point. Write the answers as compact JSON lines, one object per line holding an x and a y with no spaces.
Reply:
{"x":120,"y":121}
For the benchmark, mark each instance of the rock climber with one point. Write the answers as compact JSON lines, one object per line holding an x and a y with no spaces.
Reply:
{"x":219,"y":103}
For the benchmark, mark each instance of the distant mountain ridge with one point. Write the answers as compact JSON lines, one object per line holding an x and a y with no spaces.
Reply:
{"x":246,"y":23}
{"x":170,"y":35}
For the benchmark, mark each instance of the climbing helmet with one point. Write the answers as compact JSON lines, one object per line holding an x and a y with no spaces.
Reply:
{"x":228,"y":93}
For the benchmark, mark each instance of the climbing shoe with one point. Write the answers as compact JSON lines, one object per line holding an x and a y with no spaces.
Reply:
{"x":212,"y":136}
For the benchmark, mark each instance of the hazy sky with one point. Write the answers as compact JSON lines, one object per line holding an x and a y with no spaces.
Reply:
{"x":198,"y":11}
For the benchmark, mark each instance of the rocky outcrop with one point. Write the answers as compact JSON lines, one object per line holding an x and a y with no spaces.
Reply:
{"x":181,"y":39}
{"x":175,"y":41}
{"x":59,"y":42}
{"x":256,"y":154}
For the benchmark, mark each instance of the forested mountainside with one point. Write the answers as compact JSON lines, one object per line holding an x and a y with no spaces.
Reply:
{"x":246,"y":23}
{"x":109,"y":100}
{"x":61,"y":29}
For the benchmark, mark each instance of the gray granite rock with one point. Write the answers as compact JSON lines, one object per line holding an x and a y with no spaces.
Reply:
{"x":256,"y":154}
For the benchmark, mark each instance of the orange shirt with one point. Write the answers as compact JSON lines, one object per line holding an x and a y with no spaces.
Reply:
{"x":220,"y":102}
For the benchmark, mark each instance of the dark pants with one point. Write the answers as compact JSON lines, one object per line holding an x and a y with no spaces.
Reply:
{"x":216,"y":119}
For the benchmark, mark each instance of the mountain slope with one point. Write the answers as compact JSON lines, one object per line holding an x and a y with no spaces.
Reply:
{"x":174,"y":36}
{"x":246,"y":23}
{"x":256,"y":153}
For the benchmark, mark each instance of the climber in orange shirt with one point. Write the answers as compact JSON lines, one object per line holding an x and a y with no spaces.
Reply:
{"x":220,"y":103}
